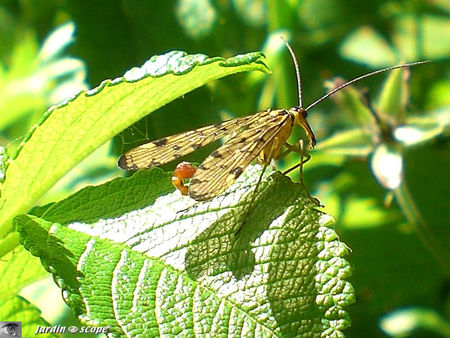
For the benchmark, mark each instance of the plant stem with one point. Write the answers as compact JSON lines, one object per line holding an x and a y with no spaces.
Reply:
{"x":426,"y":236}
{"x":8,"y":243}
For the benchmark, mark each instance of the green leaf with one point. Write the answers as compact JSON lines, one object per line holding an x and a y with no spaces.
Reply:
{"x":350,"y":101}
{"x":70,"y":131}
{"x":430,"y":43}
{"x":55,"y":43}
{"x":176,"y":267}
{"x":3,"y":160}
{"x":252,"y":12}
{"x":437,"y":95}
{"x":18,"y":270}
{"x":360,"y":212}
{"x":36,"y":79}
{"x":394,"y":96}
{"x":109,"y":200}
{"x":352,"y":142}
{"x":368,"y":47}
{"x":420,"y":129}
{"x":197,"y":17}
{"x":16,"y":276}
{"x":404,"y":322}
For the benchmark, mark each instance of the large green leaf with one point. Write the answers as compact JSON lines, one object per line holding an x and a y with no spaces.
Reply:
{"x":176,"y":267}
{"x":73,"y":129}
{"x":18,"y":270}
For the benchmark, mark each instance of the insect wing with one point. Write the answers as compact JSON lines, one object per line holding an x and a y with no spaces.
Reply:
{"x":169,"y":148}
{"x":220,"y":169}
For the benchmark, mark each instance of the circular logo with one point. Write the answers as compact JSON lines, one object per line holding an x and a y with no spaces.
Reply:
{"x":72,"y":329}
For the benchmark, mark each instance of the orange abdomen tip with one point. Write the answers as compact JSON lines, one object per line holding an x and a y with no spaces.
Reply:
{"x":184,"y":170}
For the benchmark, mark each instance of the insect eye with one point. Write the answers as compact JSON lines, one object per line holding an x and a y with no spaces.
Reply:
{"x":301,"y":110}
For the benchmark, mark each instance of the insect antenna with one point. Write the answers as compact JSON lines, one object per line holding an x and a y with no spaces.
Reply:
{"x":363,"y":77}
{"x":297,"y":72}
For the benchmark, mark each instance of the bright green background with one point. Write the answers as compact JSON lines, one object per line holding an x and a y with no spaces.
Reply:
{"x":393,"y":267}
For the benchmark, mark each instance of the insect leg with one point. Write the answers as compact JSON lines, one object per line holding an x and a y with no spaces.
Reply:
{"x":296,"y":149}
{"x":252,"y":200}
{"x":304,"y":157}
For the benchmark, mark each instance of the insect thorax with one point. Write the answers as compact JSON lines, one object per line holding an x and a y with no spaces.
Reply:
{"x":273,"y":148}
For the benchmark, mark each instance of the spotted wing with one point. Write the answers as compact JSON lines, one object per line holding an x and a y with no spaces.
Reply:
{"x":220,"y":169}
{"x":169,"y":148}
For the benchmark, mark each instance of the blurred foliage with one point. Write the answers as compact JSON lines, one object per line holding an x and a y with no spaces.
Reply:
{"x":400,"y":249}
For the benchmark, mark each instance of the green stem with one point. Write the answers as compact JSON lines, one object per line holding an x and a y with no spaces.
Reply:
{"x":280,"y":20}
{"x":8,"y":243}
{"x":426,"y":236}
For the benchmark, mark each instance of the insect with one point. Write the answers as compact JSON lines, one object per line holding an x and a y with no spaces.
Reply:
{"x":259,"y":135}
